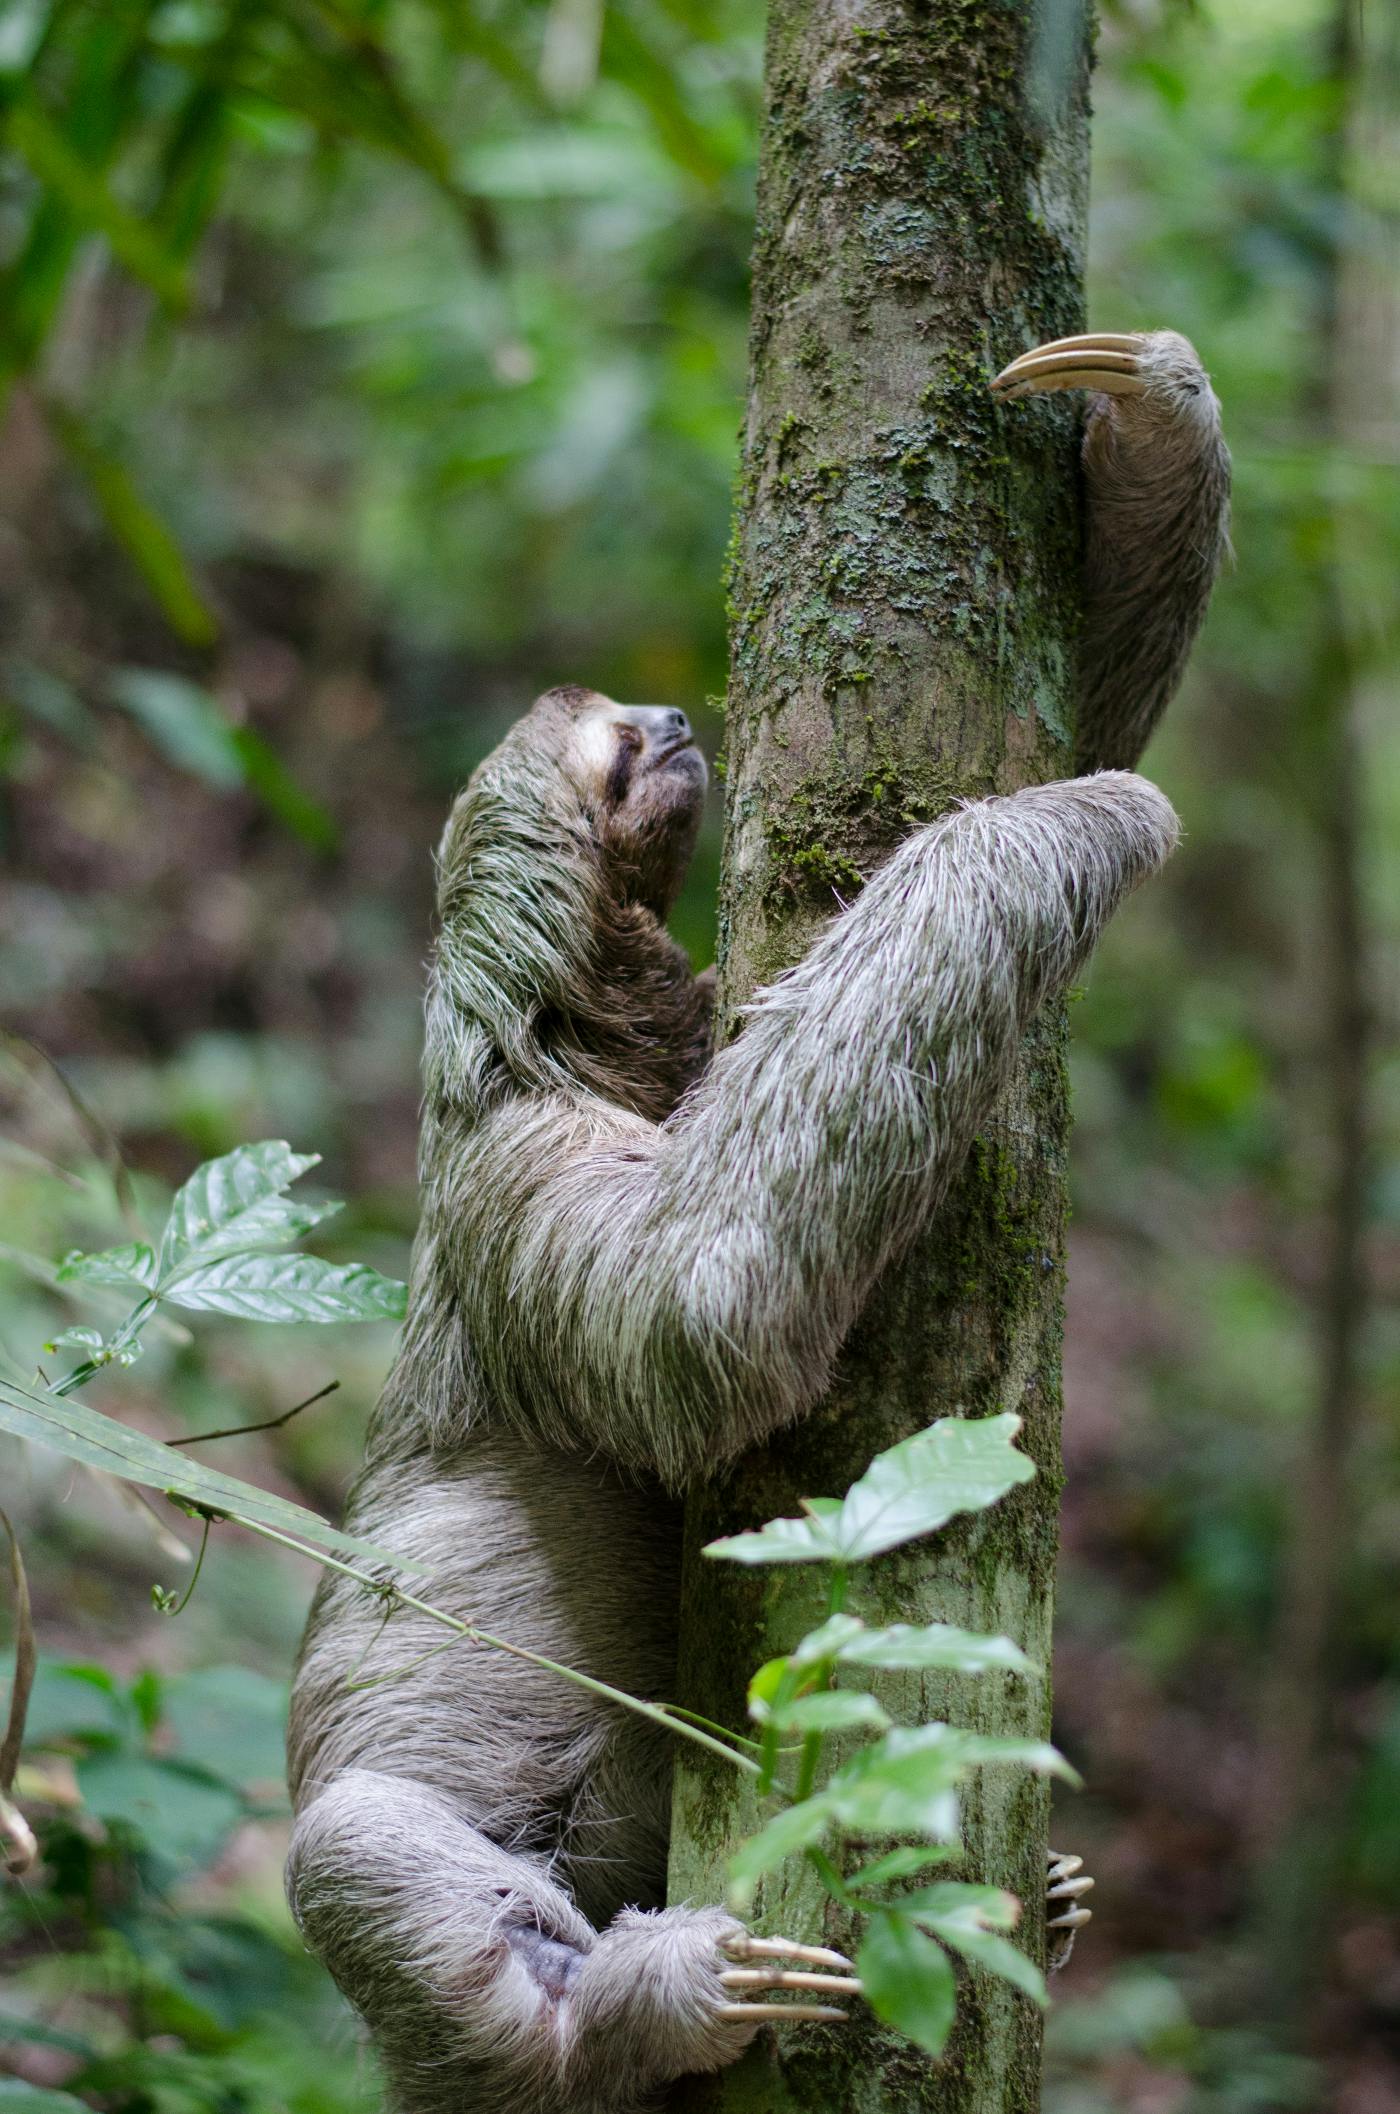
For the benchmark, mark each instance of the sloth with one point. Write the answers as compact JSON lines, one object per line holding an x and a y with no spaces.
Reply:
{"x":638,"y":1257}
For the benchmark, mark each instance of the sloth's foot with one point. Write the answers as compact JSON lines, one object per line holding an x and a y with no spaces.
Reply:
{"x":814,"y":1977}
{"x":1064,"y":1890}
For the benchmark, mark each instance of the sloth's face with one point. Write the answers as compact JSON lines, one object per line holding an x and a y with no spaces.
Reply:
{"x":642,"y":781}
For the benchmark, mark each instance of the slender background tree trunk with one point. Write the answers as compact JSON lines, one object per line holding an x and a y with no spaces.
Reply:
{"x":904,"y":612}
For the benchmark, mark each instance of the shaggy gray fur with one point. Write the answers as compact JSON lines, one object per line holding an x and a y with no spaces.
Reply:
{"x":1158,"y":477}
{"x":634,"y":1260}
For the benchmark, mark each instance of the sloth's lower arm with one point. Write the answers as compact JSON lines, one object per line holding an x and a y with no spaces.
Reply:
{"x":672,"y":1295}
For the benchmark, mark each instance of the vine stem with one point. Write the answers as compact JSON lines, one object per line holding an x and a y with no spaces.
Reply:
{"x":657,"y":1713}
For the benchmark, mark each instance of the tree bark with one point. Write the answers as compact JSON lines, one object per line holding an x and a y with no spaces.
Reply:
{"x":904,"y":613}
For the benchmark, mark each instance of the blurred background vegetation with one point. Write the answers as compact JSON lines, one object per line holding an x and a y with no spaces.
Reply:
{"x":368,"y":367}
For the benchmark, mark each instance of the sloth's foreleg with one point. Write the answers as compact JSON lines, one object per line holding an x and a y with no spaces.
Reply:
{"x":484,"y":1986}
{"x":1157,"y":483}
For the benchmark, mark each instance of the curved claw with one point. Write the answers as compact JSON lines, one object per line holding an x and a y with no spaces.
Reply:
{"x":1107,"y":361}
{"x":1064,"y":1885}
{"x":774,"y":1978}
{"x":747,"y":1947}
{"x":780,"y":2014}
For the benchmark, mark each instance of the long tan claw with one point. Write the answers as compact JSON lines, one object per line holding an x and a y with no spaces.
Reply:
{"x":748,"y":1947}
{"x":775,"y":1978}
{"x":1107,"y":361}
{"x":781,"y":2014}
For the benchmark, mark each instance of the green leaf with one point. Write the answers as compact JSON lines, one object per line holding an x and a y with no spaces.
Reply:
{"x":783,"y":1836}
{"x":265,"y":774}
{"x":829,"y":1710}
{"x":179,"y":1812}
{"x":73,"y":1700}
{"x":234,"y":1204}
{"x":936,"y":1644}
{"x":132,"y":1264}
{"x":184,"y":722}
{"x":826,"y":1642}
{"x":958,"y":1465}
{"x":908,"y":1980}
{"x":902,"y":1863}
{"x":37,"y":141}
{"x":906,"y":1782}
{"x":229,"y":1720}
{"x":231,"y":1196}
{"x":84,"y":1434}
{"x":140,"y":532}
{"x":970,"y":1919}
{"x":289,"y":1288}
{"x":17,"y":2097}
{"x":77,"y":1340}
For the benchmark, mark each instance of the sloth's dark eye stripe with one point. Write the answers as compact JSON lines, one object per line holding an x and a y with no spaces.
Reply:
{"x":620,"y":776}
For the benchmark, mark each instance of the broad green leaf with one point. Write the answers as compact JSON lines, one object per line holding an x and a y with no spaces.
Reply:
{"x":73,"y":1700}
{"x":936,"y":1644}
{"x":289,"y":1288}
{"x":179,"y":1812}
{"x":270,"y":1224}
{"x":783,"y":1836}
{"x":902,"y":1863}
{"x":958,"y":1465}
{"x":970,"y":1919}
{"x":830,"y":1710}
{"x":224,"y":1194}
{"x":908,"y":1980}
{"x":229,"y":1720}
{"x":132,"y":1264}
{"x":826,"y":1642}
{"x":84,"y":1434}
{"x":906,"y":1782}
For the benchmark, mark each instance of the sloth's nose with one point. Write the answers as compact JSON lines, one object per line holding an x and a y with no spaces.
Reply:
{"x":662,"y":722}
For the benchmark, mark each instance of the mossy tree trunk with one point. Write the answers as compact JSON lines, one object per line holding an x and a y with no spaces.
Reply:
{"x":904,"y":615}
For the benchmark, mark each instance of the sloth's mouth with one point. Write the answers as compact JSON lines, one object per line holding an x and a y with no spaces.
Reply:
{"x":682,"y":745}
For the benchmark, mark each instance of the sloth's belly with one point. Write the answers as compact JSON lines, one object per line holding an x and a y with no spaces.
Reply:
{"x":552,"y":1554}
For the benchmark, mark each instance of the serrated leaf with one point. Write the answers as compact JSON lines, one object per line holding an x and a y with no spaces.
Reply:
{"x":959,"y":1464}
{"x":908,"y":1980}
{"x":829,"y":1710}
{"x":134,"y":1263}
{"x":84,"y":1434}
{"x":783,"y":1836}
{"x":935,"y":1644}
{"x":222,"y":1191}
{"x":289,"y":1288}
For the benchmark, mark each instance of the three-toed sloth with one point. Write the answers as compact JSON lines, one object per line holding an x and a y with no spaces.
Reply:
{"x":637,"y":1258}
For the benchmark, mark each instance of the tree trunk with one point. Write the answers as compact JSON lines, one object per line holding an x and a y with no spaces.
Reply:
{"x":904,"y":613}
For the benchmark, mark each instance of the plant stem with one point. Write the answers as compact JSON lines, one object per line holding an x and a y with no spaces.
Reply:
{"x":658,"y":1713}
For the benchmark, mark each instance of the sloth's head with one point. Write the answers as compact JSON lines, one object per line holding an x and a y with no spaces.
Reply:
{"x":559,"y":862}
{"x":636,"y":778}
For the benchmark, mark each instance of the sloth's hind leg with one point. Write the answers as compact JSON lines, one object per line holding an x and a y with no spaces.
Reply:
{"x":482,"y":1983}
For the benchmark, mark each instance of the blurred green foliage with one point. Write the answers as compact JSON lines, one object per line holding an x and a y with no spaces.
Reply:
{"x":370,"y":366}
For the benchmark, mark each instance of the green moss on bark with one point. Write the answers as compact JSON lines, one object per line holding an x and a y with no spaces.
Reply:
{"x":903,"y":605}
